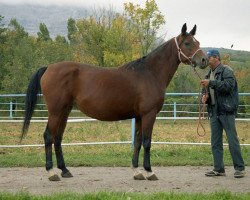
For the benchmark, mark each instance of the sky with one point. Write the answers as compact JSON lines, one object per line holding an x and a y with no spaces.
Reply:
{"x":220,"y":23}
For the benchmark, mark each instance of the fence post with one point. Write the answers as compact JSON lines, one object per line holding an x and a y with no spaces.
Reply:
{"x":174,"y":111}
{"x":11,"y":110}
{"x":133,"y":131}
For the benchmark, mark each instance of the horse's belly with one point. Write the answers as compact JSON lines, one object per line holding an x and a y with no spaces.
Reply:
{"x":105,"y":110}
{"x":106,"y":115}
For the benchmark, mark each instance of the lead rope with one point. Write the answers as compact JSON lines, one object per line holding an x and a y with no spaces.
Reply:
{"x":201,"y":110}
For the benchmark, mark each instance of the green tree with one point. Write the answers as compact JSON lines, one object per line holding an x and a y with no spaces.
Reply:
{"x":43,"y":34}
{"x":91,"y":35}
{"x":19,"y":58}
{"x":120,"y":43}
{"x":2,"y":30}
{"x":48,"y":52}
{"x":245,"y":87}
{"x":16,"y":30}
{"x":184,"y":80}
{"x":106,"y":39}
{"x":72,"y":30}
{"x":60,"y":39}
{"x":2,"y":47}
{"x":147,"y":22}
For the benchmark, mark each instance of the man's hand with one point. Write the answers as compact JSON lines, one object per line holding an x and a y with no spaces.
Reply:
{"x":204,"y":98}
{"x":205,"y":82}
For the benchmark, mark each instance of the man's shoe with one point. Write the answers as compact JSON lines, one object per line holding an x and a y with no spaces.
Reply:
{"x":239,"y":174}
{"x":215,"y":173}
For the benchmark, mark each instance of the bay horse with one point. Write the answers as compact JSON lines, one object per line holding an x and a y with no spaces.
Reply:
{"x":133,"y":90}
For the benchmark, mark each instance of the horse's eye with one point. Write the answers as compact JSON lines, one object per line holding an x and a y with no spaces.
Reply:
{"x":187,"y":43}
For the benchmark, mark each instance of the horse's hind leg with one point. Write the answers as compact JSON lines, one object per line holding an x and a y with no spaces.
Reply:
{"x":58,"y":147}
{"x":137,"y":147}
{"x":48,"y":152}
{"x":60,"y":160}
{"x":54,"y":133}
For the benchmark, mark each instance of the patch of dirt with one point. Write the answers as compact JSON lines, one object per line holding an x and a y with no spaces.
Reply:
{"x":120,"y":179}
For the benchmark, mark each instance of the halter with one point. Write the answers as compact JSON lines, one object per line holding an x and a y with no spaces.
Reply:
{"x":180,"y":52}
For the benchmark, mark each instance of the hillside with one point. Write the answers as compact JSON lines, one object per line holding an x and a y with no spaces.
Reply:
{"x":235,"y":55}
{"x":30,"y":16}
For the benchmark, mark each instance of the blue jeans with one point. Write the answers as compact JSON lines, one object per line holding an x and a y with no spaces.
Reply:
{"x":226,"y":122}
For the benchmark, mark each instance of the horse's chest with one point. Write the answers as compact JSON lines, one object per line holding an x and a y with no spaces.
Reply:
{"x":152,"y":101}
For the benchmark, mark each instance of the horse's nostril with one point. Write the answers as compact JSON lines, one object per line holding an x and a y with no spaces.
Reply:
{"x":204,"y":61}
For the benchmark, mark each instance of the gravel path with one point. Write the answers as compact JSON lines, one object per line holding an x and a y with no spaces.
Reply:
{"x":119,"y":179}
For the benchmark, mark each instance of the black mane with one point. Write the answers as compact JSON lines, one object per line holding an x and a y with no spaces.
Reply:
{"x":141,"y":63}
{"x":138,"y":64}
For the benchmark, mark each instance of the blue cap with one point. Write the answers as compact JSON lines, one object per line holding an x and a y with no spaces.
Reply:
{"x":213,"y":52}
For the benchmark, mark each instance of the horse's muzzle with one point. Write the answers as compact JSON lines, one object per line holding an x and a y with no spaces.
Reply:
{"x":202,"y":63}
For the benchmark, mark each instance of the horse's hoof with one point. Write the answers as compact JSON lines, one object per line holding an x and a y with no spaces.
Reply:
{"x":54,"y":177}
{"x":66,"y":174}
{"x":138,"y":174}
{"x":151,"y":176}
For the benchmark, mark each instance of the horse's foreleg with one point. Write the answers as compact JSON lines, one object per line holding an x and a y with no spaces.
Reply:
{"x":137,"y":147}
{"x":147,"y":127}
{"x":48,"y":153}
{"x":137,"y":143}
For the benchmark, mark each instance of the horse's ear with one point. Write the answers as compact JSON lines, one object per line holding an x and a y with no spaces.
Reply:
{"x":184,"y":29}
{"x":193,"y":31}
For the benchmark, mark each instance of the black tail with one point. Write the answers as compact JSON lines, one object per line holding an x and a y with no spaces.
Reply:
{"x":31,"y":98}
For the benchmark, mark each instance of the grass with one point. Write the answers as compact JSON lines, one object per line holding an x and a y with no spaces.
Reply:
{"x":164,"y":130}
{"x":116,"y":155}
{"x":127,"y":196}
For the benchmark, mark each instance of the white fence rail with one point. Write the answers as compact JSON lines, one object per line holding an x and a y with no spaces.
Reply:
{"x":118,"y":142}
{"x":172,"y":108}
{"x":12,"y":111}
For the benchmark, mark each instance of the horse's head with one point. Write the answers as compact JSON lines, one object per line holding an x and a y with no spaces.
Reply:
{"x":189,"y":51}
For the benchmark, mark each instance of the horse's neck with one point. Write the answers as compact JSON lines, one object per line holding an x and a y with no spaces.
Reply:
{"x":164,"y":62}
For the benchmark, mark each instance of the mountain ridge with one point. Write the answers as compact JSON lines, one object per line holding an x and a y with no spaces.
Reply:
{"x":30,"y":16}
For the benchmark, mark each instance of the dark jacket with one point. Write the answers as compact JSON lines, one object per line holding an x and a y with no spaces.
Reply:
{"x":225,"y":91}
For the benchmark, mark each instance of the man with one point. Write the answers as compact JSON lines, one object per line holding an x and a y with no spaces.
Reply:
{"x":221,"y":97}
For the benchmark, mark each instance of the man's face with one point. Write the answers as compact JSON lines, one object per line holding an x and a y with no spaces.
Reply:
{"x":213,"y":61}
